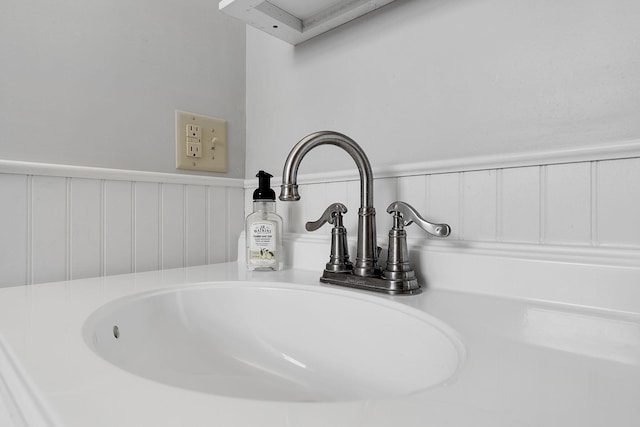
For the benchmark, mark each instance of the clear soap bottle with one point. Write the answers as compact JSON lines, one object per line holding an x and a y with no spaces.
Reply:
{"x":263,"y":229}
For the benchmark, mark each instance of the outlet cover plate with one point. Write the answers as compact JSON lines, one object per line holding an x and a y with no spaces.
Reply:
{"x":213,"y":138}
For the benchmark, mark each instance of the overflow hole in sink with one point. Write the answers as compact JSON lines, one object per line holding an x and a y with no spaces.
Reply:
{"x":116,"y":332}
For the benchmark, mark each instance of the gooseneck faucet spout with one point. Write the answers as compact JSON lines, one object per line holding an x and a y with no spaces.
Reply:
{"x":398,"y":277}
{"x":366,"y":264}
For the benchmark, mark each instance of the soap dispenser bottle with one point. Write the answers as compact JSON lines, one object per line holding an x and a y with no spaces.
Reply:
{"x":263,"y":229}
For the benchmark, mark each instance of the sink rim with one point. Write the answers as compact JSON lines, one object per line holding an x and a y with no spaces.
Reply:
{"x":386,"y":302}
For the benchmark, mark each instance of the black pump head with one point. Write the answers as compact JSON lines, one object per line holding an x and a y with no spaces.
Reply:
{"x":264,"y":191}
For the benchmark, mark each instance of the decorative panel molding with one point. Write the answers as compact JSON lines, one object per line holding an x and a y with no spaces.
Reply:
{"x":94,"y":222}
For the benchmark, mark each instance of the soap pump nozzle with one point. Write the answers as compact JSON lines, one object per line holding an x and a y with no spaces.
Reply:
{"x":264,"y":191}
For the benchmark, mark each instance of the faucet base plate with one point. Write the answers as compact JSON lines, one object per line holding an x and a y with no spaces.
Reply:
{"x":377,"y":284}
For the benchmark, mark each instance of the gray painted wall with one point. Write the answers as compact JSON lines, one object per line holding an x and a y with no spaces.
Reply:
{"x":428,"y":80}
{"x":97,"y":83}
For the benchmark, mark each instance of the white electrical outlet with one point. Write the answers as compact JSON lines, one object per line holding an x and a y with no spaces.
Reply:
{"x":194,"y":131}
{"x":201,"y":142}
{"x":194,"y":149}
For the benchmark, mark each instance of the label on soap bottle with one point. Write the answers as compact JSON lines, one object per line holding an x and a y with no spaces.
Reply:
{"x":262,"y":244}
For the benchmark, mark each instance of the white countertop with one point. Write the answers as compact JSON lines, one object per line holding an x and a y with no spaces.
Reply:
{"x":528,"y":363}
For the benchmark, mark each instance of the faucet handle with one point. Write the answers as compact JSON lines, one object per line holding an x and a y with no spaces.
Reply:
{"x":331,"y":215}
{"x":339,"y":259}
{"x":405,"y":214}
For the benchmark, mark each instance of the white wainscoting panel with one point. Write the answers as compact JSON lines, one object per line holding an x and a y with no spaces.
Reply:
{"x":583,"y":204}
{"x":385,"y":193}
{"x":147,"y":226}
{"x":196,"y":225}
{"x":218,"y":218}
{"x":567,"y":204}
{"x":413,"y":190}
{"x":618,"y":203}
{"x":86,"y":230}
{"x":14,"y":227}
{"x":316,"y":204}
{"x":519,"y":199}
{"x":235,"y":221}
{"x":173,"y":226}
{"x":49,"y":228}
{"x":118,"y":227}
{"x":60,"y":223}
{"x":479,"y":205}
{"x":444,"y":201}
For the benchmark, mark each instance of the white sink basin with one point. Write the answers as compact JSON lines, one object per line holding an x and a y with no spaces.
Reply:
{"x":276,"y":342}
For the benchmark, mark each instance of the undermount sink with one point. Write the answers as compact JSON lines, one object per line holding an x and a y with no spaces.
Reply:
{"x":276,"y":342}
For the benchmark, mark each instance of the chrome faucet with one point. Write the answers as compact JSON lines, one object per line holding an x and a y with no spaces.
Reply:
{"x":367,"y":253}
{"x":398,"y":278}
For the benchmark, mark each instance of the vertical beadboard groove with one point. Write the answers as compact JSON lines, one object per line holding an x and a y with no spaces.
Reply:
{"x":227,"y":233}
{"x":427,"y":193}
{"x":461,"y":204}
{"x":396,"y":191}
{"x":29,"y":266}
{"x":595,"y":240}
{"x":210,"y":238}
{"x":68,"y":231}
{"x":499,"y":205}
{"x":134,"y":188}
{"x":185,"y":228}
{"x":207,"y":225}
{"x":103,"y":227}
{"x":543,"y":204}
{"x":161,"y":225}
{"x":228,"y":237}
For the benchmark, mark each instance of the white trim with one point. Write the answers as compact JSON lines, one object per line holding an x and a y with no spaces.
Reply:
{"x":46,"y":169}
{"x":296,"y":29}
{"x":607,"y":151}
{"x":589,"y":255}
{"x":21,"y":402}
{"x":595,"y":277}
{"x":604,"y":151}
